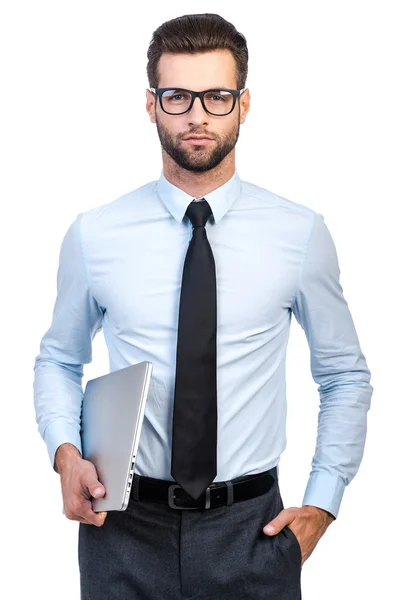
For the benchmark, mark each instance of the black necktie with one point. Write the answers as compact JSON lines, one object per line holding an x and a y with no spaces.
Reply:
{"x":194,"y":429}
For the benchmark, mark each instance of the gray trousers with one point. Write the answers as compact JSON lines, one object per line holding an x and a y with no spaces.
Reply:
{"x":153,"y":552}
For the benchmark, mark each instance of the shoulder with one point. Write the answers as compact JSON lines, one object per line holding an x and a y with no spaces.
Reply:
{"x":293,"y":219}
{"x":117,"y":211}
{"x":127,"y":200}
{"x":256,"y":194}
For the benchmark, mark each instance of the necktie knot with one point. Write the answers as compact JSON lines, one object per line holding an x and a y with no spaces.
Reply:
{"x":199,"y":213}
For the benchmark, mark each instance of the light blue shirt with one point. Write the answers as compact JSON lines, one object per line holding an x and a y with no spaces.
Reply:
{"x":120,"y":269}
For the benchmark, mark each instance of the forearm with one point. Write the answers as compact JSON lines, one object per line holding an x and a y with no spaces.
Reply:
{"x":58,"y":399}
{"x":64,"y":454}
{"x":341,"y":435}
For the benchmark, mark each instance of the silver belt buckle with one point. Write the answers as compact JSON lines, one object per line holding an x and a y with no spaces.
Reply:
{"x":171,"y":499}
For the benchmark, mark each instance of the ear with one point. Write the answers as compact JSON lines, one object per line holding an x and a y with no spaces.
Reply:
{"x":244,"y":100}
{"x":151,"y":105}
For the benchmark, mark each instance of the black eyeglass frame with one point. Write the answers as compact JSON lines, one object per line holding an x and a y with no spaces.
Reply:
{"x":159,"y":92}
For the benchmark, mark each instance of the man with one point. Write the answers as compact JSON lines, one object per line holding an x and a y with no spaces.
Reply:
{"x":200,"y":272}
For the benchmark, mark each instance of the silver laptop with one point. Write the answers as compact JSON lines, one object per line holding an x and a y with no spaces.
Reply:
{"x":112,"y":416}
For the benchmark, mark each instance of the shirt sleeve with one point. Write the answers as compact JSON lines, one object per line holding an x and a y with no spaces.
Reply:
{"x":338,"y":366}
{"x":65,"y":348}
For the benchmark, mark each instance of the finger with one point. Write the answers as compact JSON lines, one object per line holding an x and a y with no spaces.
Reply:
{"x":278,"y":523}
{"x":81,"y":520}
{"x":75,"y":517}
{"x":99,"y":519}
{"x":95,"y":518}
{"x":95,"y":488}
{"x":81,"y":509}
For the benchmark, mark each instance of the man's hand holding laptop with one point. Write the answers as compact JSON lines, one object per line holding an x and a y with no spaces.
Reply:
{"x":79,"y":483}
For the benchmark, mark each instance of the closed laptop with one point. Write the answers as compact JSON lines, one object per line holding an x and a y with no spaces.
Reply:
{"x":112,"y":415}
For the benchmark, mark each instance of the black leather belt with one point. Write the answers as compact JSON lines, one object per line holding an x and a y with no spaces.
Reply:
{"x":219,"y":493}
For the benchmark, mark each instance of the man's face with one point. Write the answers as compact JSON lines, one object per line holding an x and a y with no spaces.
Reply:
{"x":210,"y":70}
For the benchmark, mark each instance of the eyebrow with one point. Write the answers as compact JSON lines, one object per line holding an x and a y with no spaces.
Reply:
{"x":212,"y":87}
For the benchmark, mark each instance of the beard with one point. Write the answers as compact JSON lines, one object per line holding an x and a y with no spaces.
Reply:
{"x":198,"y":159}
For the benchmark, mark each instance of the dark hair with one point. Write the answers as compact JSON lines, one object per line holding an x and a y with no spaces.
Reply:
{"x":192,"y":34}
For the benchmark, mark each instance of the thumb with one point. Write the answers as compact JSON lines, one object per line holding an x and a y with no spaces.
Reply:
{"x":276,"y":524}
{"x":96,"y":489}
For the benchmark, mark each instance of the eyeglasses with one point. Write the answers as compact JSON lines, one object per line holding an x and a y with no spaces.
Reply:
{"x":177,"y":101}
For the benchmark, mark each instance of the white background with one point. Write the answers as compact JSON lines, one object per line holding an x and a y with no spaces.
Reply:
{"x":323,"y":130}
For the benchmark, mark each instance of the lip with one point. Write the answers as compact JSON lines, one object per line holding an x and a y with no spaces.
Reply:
{"x":198,"y":140}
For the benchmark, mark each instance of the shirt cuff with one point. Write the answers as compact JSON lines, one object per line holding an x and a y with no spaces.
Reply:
{"x":60,"y":432}
{"x":324,"y":490}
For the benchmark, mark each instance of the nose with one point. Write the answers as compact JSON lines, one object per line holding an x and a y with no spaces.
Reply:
{"x":197,"y":114}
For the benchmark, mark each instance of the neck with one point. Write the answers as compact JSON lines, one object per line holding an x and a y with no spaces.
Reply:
{"x":198,"y":185}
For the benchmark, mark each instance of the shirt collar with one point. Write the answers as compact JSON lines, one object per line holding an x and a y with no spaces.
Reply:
{"x":220,"y":199}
